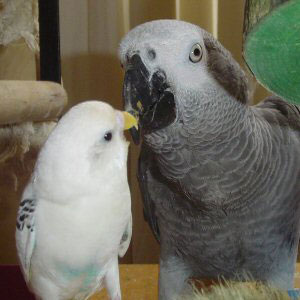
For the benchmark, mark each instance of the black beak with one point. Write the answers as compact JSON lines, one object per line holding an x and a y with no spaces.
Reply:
{"x":135,"y":134}
{"x":147,"y":97}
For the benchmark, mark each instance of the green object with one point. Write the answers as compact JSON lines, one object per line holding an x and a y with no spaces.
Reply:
{"x":272,"y":50}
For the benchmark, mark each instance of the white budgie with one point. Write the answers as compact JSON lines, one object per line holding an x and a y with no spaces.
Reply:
{"x":75,"y":218}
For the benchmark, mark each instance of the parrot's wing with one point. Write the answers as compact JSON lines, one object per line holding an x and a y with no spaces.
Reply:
{"x":126,"y":238}
{"x":25,"y":234}
{"x":274,"y":108}
{"x":147,"y":182}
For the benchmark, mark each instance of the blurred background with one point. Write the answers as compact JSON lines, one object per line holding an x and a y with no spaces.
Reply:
{"x":91,"y":31}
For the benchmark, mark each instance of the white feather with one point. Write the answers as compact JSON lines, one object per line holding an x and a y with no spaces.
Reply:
{"x":83,"y":205}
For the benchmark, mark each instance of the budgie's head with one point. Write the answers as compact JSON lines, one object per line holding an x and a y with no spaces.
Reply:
{"x":86,"y":148}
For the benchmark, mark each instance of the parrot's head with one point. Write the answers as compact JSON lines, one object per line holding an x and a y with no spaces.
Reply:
{"x":169,"y":63}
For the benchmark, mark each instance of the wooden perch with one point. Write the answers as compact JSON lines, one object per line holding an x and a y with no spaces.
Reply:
{"x":22,"y":101}
{"x":272,"y":45}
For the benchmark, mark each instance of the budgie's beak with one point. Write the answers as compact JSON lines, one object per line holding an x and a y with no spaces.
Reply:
{"x":129,"y":121}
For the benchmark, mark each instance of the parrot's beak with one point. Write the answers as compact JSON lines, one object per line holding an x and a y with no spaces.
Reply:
{"x":129,"y":121}
{"x":147,"y":97}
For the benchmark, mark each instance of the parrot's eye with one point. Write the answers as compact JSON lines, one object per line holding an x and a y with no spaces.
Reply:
{"x":196,"y":53}
{"x":108,"y":136}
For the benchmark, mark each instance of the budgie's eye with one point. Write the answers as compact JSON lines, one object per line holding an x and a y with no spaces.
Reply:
{"x":108,"y":136}
{"x":196,"y":53}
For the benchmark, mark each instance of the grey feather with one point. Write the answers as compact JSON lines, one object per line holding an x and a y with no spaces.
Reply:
{"x":223,"y":66}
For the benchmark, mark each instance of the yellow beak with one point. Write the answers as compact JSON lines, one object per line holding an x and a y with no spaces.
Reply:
{"x":129,"y":120}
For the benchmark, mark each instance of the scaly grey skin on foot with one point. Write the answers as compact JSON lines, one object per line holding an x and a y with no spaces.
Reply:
{"x":219,"y":178}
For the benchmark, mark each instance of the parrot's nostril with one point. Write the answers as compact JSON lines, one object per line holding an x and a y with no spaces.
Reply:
{"x":151,"y":54}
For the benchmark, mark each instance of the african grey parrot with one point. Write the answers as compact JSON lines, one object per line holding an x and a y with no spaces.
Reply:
{"x":219,"y":178}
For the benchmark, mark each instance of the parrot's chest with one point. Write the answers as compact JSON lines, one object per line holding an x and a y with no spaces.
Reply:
{"x":225,"y":246}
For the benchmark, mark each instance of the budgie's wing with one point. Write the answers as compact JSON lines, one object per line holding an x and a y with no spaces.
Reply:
{"x":126,"y":238}
{"x":25,"y":233}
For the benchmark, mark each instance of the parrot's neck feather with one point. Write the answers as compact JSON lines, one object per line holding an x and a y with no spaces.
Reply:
{"x":208,"y":140}
{"x":203,"y":125}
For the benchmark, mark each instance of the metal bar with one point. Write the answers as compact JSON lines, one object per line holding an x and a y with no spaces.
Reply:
{"x":50,"y":66}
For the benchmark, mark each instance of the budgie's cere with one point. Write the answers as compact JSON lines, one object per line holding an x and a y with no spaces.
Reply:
{"x":219,"y":178}
{"x":76,"y":208}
